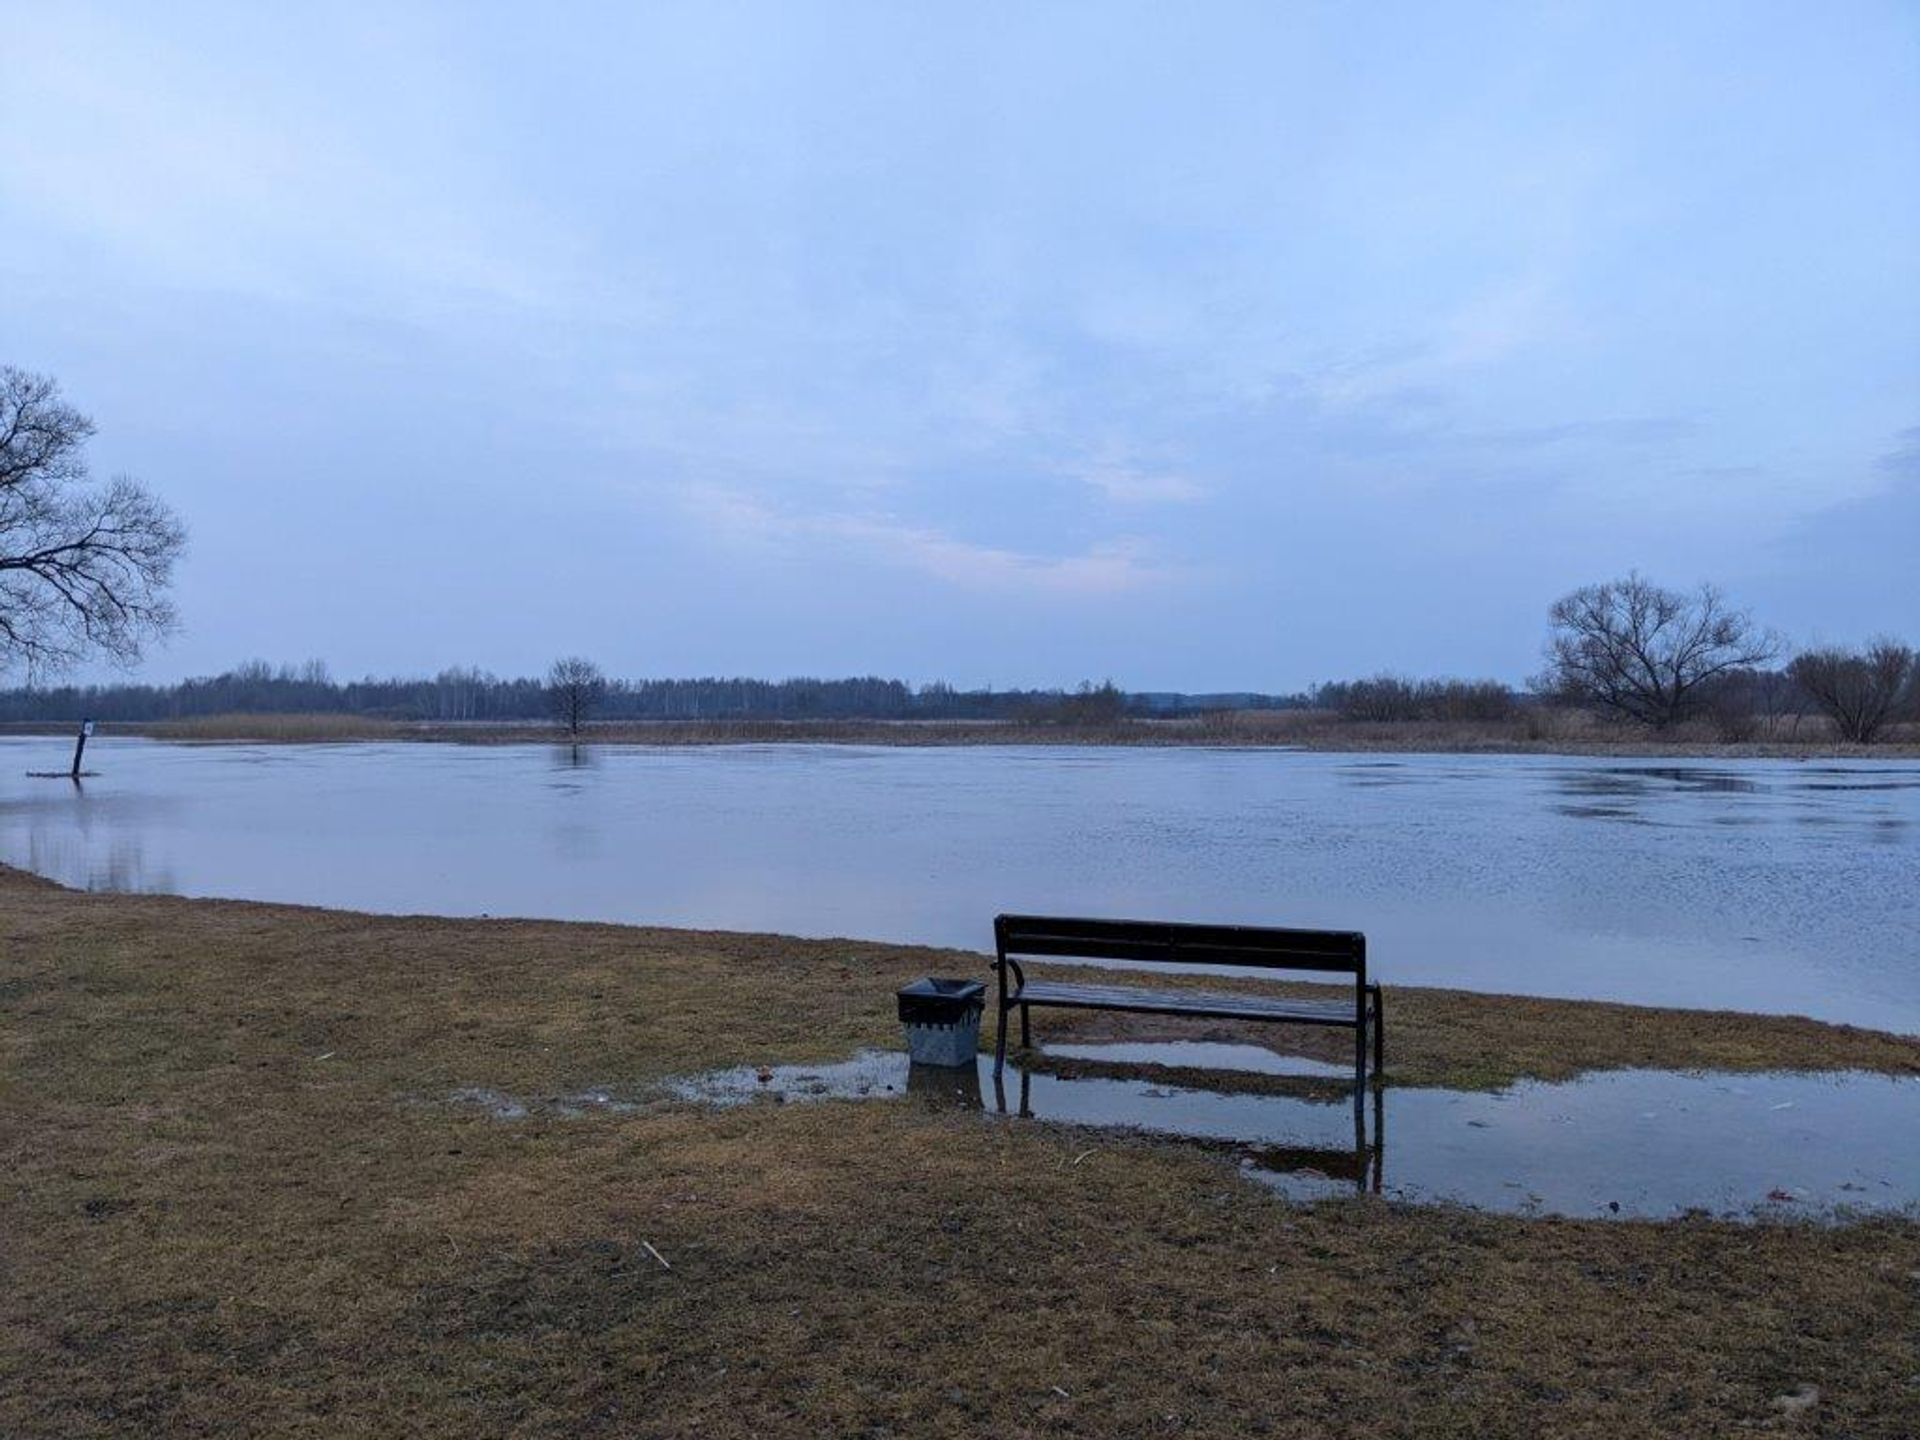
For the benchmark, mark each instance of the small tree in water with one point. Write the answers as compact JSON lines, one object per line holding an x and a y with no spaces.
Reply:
{"x":1632,"y":650}
{"x":575,"y":688}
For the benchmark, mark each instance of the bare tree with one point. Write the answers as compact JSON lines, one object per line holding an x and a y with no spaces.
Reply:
{"x":83,"y":567}
{"x":1859,"y":691}
{"x":575,"y":688}
{"x":1634,"y":650}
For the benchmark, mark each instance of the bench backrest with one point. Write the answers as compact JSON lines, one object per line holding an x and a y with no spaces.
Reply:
{"x":1169,"y":943}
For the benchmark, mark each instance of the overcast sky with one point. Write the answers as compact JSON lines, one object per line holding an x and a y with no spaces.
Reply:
{"x":1204,"y":346}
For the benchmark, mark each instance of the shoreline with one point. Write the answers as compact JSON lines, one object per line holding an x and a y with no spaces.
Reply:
{"x":961,"y":958}
{"x":1466,"y":1039}
{"x":1280,"y":731}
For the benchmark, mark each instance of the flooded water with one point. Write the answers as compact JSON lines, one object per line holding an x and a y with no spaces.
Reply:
{"x":1618,"y":1144}
{"x":1763,"y":885}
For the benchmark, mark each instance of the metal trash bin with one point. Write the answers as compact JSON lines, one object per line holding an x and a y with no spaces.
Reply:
{"x":942,"y":1019}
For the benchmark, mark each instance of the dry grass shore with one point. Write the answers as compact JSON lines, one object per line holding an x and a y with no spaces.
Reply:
{"x":242,"y":1196}
{"x":1542,"y":732}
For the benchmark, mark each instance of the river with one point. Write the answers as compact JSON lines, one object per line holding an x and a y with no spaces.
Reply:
{"x":1756,"y":885}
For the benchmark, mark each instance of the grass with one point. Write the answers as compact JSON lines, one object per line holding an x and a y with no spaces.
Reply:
{"x":1539,"y":731}
{"x":237,"y":1200}
{"x":279,"y":729}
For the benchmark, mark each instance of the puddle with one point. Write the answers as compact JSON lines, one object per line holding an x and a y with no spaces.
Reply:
{"x":1203,"y":1055}
{"x":502,"y":1106}
{"x":868,"y":1073}
{"x":1632,"y":1143}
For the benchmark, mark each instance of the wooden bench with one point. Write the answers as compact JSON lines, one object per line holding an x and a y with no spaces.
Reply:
{"x":1060,"y":938}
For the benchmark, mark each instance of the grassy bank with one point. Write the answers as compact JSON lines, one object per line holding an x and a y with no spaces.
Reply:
{"x":1542,"y":732}
{"x":239,"y":1197}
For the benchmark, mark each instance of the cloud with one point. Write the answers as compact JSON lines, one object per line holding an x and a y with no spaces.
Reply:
{"x":1495,"y":327}
{"x":200,"y":177}
{"x":1903,"y":461}
{"x":1850,"y":565}
{"x":1106,"y":568}
{"x":1628,"y":430}
{"x":1125,"y":483}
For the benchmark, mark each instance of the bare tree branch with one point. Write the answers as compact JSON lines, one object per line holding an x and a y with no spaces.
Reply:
{"x":83,"y":567}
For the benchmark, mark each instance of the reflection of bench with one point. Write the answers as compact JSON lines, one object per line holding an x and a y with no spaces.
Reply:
{"x":1044,"y":937}
{"x":1364,"y":1165}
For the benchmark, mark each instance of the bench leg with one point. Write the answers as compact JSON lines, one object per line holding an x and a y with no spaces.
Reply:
{"x":1359,"y":1058}
{"x":1000,"y":1046}
{"x":1379,"y":1038}
{"x":1025,"y":1044}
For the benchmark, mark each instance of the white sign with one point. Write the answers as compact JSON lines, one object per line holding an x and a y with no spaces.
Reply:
{"x":86,"y":728}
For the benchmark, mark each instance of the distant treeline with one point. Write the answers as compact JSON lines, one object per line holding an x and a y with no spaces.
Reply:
{"x":257,"y":688}
{"x":1395,"y":697}
{"x":1859,"y":696}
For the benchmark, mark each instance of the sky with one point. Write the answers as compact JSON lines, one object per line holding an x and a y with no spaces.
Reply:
{"x":1204,"y":347}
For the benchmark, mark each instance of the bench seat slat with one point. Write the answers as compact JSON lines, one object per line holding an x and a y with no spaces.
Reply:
{"x":1211,"y":1003}
{"x":1177,"y":943}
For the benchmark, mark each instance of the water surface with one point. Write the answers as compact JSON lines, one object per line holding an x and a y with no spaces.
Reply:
{"x":1617,"y":1144}
{"x":1757,"y":885}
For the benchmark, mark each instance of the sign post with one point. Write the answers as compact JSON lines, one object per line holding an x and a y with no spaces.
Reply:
{"x":80,"y":746}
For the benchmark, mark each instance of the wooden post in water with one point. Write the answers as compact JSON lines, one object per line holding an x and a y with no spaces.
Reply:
{"x":80,"y":746}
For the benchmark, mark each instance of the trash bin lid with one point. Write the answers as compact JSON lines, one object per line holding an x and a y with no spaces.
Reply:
{"x":933,"y":989}
{"x":941,"y":1002}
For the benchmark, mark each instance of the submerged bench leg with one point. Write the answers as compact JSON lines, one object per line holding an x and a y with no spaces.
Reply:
{"x":1360,"y":1153}
{"x":1379,"y":1137}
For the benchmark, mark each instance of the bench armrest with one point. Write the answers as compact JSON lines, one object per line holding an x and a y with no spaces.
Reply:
{"x":1001,"y":965}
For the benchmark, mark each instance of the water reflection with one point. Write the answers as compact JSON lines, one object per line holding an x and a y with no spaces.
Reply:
{"x":1200,"y":1055}
{"x":125,"y":868}
{"x":1376,"y":774}
{"x":1641,"y":780}
{"x":1637,"y":1143}
{"x":1602,"y":812}
{"x":1213,"y":1120}
{"x":942,"y":1087}
{"x":1879,"y":778}
{"x":72,"y":834}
